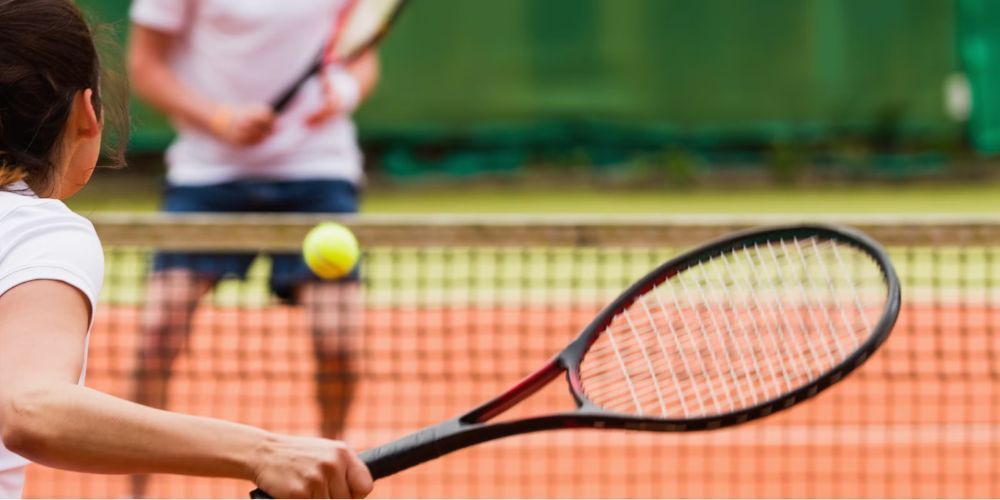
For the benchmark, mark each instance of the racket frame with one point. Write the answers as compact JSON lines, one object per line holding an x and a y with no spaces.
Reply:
{"x":473,"y":427}
{"x":324,"y":57}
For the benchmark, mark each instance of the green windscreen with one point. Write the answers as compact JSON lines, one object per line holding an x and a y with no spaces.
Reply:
{"x":532,"y":74}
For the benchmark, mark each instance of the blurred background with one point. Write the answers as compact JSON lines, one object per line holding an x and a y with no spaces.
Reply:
{"x":669,"y":95}
{"x":609,"y":135}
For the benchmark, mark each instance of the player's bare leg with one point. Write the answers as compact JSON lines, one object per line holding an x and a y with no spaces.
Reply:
{"x":171,"y":298}
{"x":335,"y":314}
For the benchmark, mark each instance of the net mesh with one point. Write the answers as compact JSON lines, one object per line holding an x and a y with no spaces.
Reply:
{"x":452,"y":311}
{"x":742,"y":328}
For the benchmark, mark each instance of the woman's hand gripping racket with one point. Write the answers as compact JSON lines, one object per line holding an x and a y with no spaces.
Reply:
{"x":359,"y":26}
{"x":730,"y":332}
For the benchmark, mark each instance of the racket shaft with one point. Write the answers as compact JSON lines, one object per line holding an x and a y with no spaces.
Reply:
{"x":441,"y":439}
{"x":451,"y":435}
{"x":407,"y":451}
{"x":286,"y":97}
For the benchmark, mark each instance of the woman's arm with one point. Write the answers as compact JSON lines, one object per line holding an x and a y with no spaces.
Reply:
{"x":153,"y":79}
{"x":47,"y":418}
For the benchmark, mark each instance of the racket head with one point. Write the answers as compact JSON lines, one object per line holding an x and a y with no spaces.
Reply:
{"x":880,"y":307}
{"x":363,"y":24}
{"x":735,"y":330}
{"x":359,"y":27}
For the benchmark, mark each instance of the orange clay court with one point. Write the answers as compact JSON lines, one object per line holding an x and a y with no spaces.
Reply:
{"x":917,"y":421}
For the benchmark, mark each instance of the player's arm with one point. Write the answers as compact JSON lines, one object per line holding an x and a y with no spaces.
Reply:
{"x":48,"y":418}
{"x":154,"y":80}
{"x":366,"y":71}
{"x":346,"y":88}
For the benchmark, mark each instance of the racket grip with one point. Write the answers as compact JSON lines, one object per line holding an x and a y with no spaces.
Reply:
{"x":398,"y":455}
{"x":405,"y":452}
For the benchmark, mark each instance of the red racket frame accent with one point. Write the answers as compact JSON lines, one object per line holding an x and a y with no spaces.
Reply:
{"x":519,"y":392}
{"x":341,"y":18}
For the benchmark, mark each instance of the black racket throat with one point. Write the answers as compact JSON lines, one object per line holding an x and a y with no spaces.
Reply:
{"x":471,"y":428}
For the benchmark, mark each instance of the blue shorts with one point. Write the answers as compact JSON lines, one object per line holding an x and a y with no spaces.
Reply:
{"x":288,"y":270}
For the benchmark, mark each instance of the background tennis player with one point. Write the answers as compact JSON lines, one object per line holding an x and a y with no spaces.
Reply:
{"x":51,"y":272}
{"x":203,"y":64}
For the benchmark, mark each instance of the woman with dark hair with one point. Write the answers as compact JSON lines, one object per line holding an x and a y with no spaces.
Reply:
{"x":51,"y":270}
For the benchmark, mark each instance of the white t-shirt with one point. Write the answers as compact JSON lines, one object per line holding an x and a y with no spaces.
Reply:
{"x":43,"y":239}
{"x":250,"y":51}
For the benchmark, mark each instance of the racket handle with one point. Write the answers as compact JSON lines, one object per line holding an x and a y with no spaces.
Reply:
{"x":397,"y":455}
{"x":286,"y":97}
{"x":405,"y":452}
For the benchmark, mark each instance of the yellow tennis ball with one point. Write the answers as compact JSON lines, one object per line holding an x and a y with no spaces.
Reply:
{"x":330,"y":250}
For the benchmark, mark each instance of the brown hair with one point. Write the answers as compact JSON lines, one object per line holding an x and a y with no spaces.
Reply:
{"x":47,"y":55}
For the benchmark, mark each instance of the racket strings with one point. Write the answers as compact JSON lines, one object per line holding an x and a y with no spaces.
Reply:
{"x":737,"y":330}
{"x":362,"y":21}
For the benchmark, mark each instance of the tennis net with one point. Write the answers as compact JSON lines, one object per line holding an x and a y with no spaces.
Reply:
{"x":452,"y":310}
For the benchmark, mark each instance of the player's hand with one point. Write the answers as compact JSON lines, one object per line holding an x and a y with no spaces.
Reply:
{"x":302,"y":467}
{"x":341,"y":94}
{"x":331,"y":104}
{"x":243,"y":125}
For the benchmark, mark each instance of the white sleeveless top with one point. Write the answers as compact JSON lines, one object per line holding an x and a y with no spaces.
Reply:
{"x":43,"y":239}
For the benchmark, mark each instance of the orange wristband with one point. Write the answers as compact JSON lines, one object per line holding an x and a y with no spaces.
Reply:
{"x":221,"y":120}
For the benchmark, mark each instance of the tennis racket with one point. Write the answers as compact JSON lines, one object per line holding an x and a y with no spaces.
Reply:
{"x":359,"y":25}
{"x":735,"y":330}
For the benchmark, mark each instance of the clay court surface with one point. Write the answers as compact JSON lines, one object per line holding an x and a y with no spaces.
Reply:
{"x":917,"y":421}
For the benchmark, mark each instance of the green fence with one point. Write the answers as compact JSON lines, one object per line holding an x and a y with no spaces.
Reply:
{"x":528,"y":75}
{"x":979,"y":51}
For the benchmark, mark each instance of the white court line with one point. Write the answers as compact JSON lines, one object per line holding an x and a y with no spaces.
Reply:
{"x":787,"y":435}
